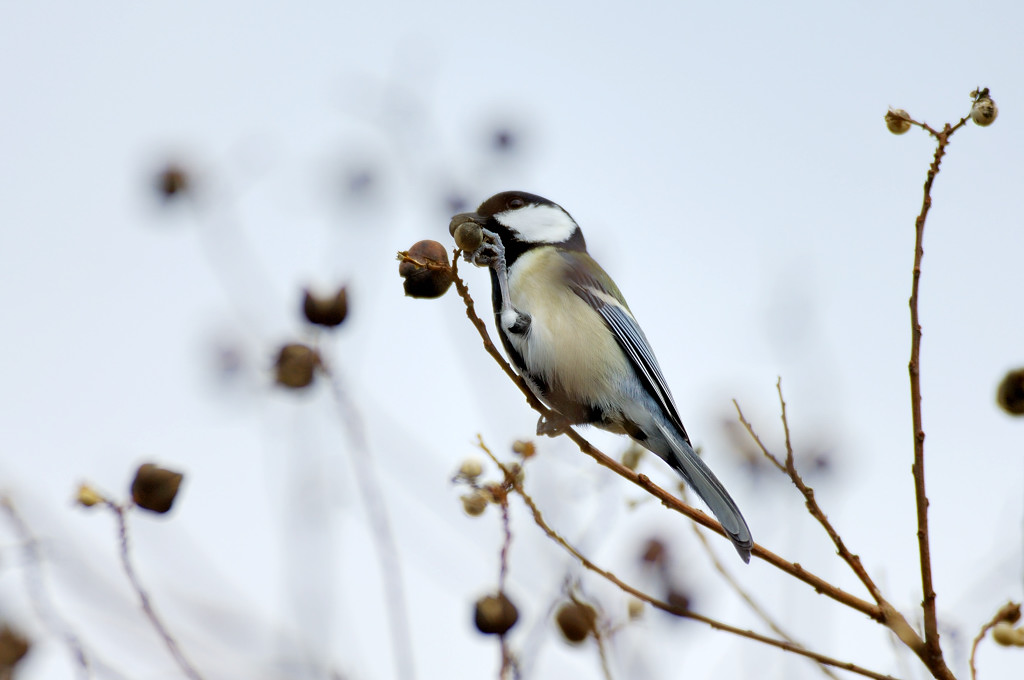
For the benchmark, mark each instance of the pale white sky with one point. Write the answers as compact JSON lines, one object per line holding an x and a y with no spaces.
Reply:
{"x":729,"y":166}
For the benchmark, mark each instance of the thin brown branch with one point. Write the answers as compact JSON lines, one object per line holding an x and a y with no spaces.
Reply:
{"x":789,"y":468}
{"x":933,"y":657}
{"x":754,"y":606}
{"x":538,"y":518}
{"x":889,"y":615}
{"x":671,"y":502}
{"x":1008,"y":612}
{"x":147,"y":606}
{"x":506,"y":544}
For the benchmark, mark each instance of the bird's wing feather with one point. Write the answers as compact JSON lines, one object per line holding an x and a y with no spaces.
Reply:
{"x":608,"y":302}
{"x":600,"y":293}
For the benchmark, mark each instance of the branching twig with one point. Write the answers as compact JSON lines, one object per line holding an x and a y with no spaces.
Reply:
{"x":1008,"y":612}
{"x":755,"y":607}
{"x":933,"y":658}
{"x":667,"y":499}
{"x":931,"y":629}
{"x":538,"y":518}
{"x":789,"y":468}
{"x":147,"y":606}
{"x":505,"y":544}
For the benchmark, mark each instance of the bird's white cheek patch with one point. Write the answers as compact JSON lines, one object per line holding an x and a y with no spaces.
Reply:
{"x":538,"y":223}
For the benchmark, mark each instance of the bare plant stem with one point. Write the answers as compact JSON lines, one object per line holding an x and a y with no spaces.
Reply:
{"x":538,"y":518}
{"x":933,"y":654}
{"x":789,"y":468}
{"x":380,"y":525}
{"x":506,"y":544}
{"x":667,"y":499}
{"x":889,"y":615}
{"x":1008,"y":612}
{"x":147,"y":606}
{"x":754,"y":606}
{"x":603,"y":655}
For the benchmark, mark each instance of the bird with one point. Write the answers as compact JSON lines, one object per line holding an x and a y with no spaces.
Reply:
{"x":570,"y":334}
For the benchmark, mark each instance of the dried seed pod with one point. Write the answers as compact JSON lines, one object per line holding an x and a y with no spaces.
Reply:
{"x":296,"y":365}
{"x":517,"y":473}
{"x":1005,"y":634}
{"x":88,"y":496}
{"x":471,"y":468}
{"x":326,"y":311}
{"x":469,"y":236}
{"x":524,"y":448}
{"x":983,"y":110}
{"x":495,"y":614}
{"x":474,"y":503}
{"x":154,"y":488}
{"x":678,"y":598}
{"x":897,"y":120}
{"x":426,"y":270}
{"x":654,"y":552}
{"x":576,"y":620}
{"x":632,"y":455}
{"x":13,"y":648}
{"x":1010,"y":394}
{"x":172,"y":181}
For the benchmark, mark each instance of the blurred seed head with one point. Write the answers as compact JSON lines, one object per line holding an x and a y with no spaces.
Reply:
{"x":1010,"y":394}
{"x":524,"y":448}
{"x":87,"y":496}
{"x":632,"y":455}
{"x":654,"y":553}
{"x":471,"y":468}
{"x":172,"y":181}
{"x":515,"y":470}
{"x":1003,"y":633}
{"x":576,"y":620}
{"x":495,"y":614}
{"x":984,"y":109}
{"x":296,"y":365}
{"x":155,"y":488}
{"x":678,"y":598}
{"x":426,"y":270}
{"x":359,"y":182}
{"x":635,"y":609}
{"x":897,"y":120}
{"x":455,"y":202}
{"x":474,"y":503}
{"x":504,"y":140}
{"x":327,"y":311}
{"x":13,"y":648}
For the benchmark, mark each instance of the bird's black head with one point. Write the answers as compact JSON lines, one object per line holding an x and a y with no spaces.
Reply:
{"x":523,"y":221}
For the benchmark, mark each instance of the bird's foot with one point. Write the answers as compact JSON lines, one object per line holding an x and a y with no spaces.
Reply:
{"x":514,"y":321}
{"x":553,"y":426}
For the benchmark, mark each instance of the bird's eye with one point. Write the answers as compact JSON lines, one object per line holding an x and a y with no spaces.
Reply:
{"x":516,"y":203}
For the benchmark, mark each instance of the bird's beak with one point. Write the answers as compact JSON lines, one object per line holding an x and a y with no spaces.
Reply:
{"x":462,"y":218}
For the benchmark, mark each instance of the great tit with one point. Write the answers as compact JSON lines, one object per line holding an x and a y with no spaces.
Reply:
{"x":570,"y":334}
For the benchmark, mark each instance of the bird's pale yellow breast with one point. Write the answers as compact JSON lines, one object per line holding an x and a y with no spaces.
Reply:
{"x":568,"y":343}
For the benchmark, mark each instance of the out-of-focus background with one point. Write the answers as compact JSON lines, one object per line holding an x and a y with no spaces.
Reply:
{"x":731,"y":169}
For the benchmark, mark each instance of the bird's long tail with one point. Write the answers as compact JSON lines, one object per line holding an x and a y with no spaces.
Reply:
{"x":701,"y":479}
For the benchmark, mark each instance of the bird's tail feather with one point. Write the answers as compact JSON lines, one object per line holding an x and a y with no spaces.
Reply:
{"x":701,"y":479}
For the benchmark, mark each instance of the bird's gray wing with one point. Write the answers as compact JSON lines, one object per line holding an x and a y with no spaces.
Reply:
{"x":608,"y":302}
